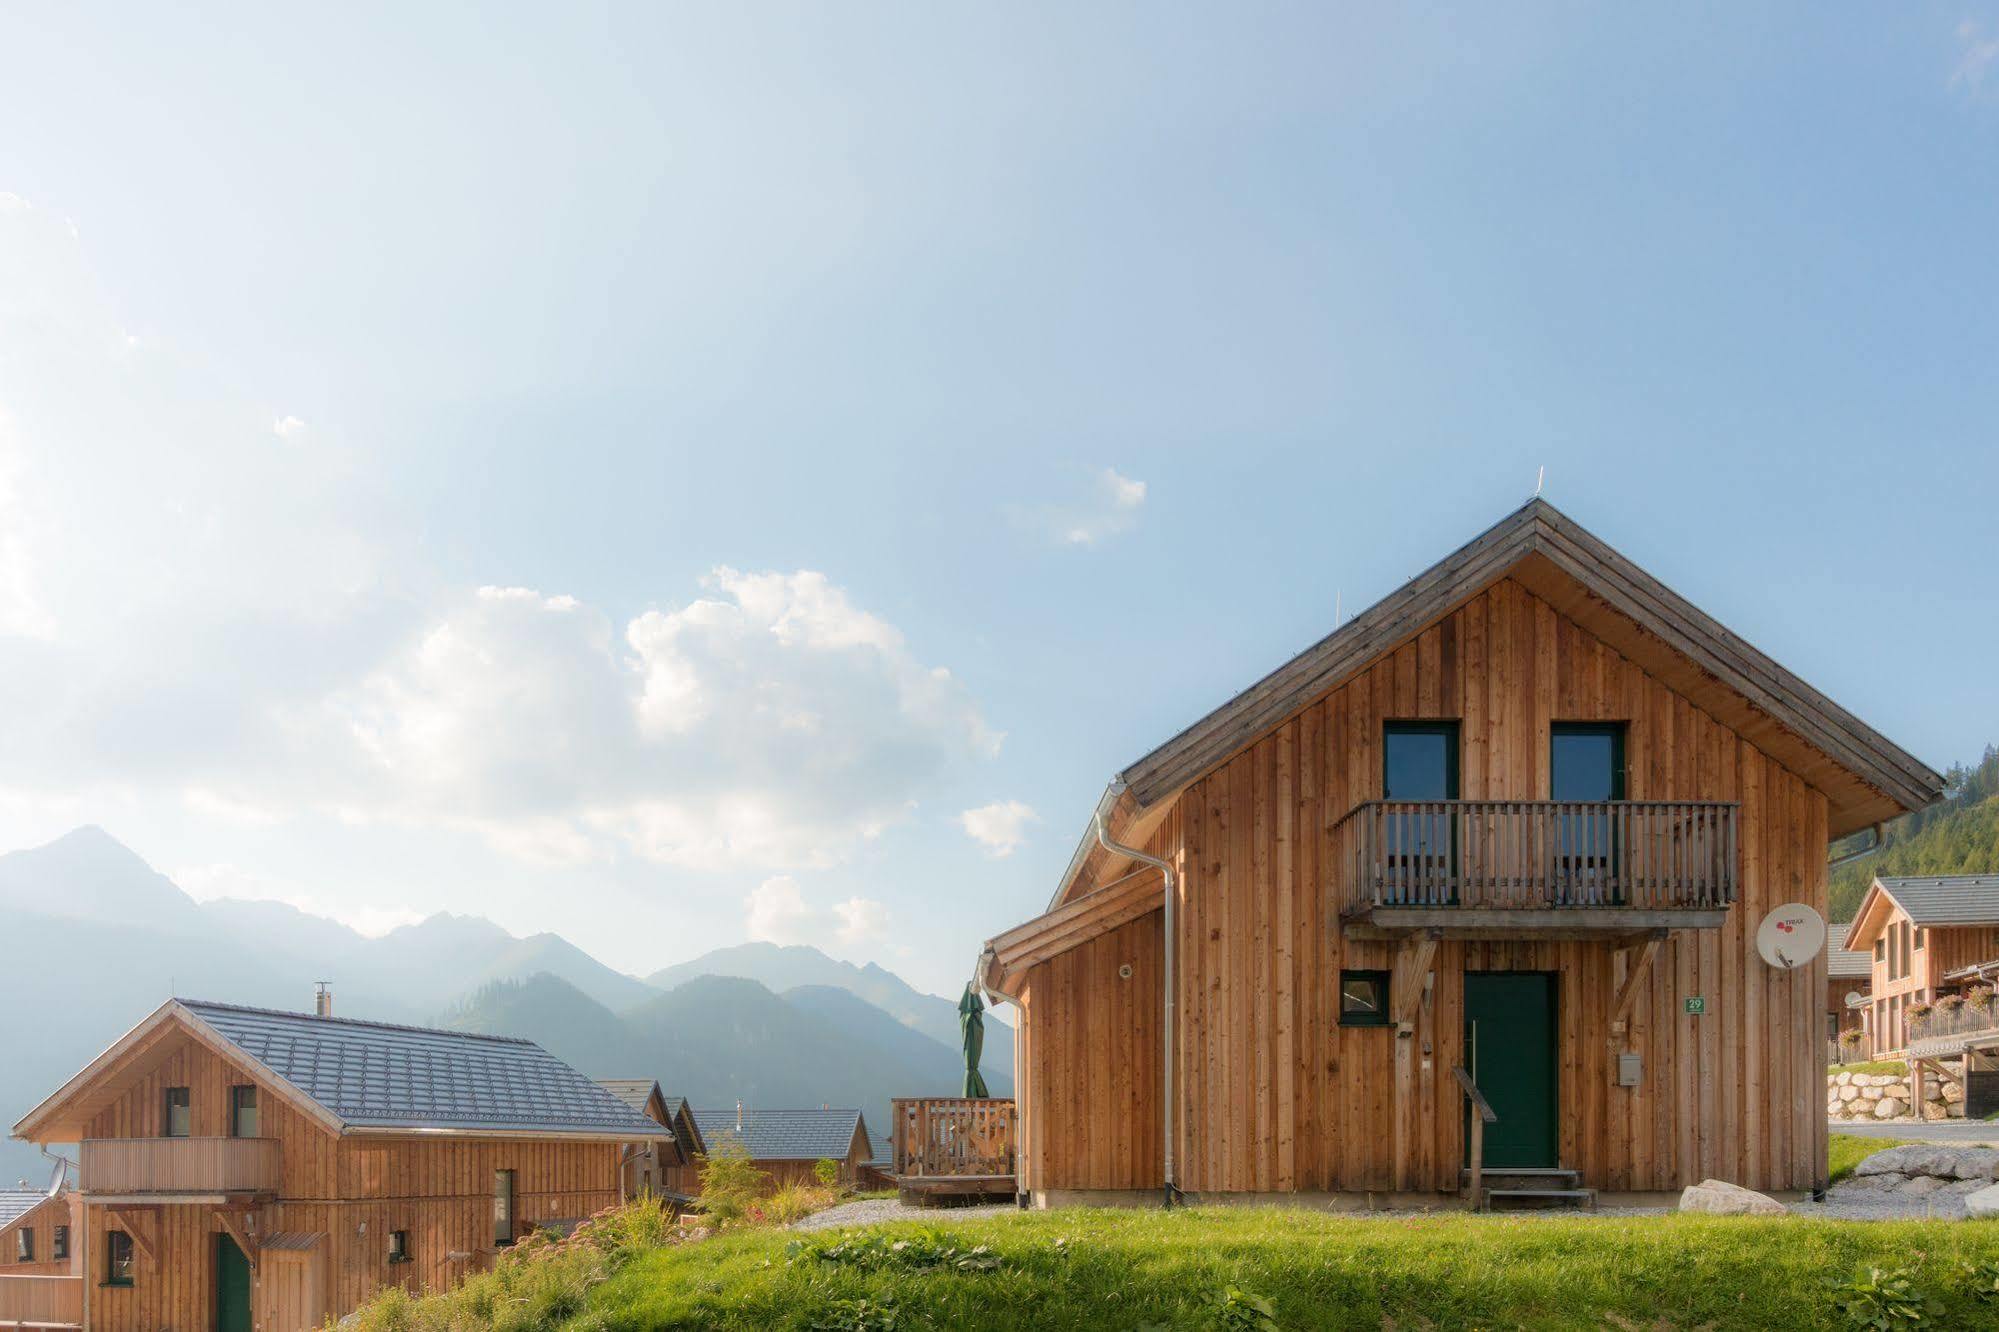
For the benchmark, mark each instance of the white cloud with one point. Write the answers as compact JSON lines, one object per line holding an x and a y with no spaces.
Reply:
{"x":999,"y":827}
{"x":778,"y":913}
{"x":1110,"y":508}
{"x":1977,"y":52}
{"x":287,"y":427}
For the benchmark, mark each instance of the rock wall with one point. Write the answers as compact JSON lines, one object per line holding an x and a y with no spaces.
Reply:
{"x":1888,"y":1096}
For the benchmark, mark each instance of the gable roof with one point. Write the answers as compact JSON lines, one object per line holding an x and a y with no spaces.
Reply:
{"x":1865,"y":778}
{"x":374,"y":1077}
{"x":786,"y":1135}
{"x":17,"y":1203}
{"x":637,"y":1094}
{"x":1843,"y":963}
{"x":1928,"y":900}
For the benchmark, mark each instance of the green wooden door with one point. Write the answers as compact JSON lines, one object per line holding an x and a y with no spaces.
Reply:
{"x":1510,"y":1051}
{"x":232,"y":1287}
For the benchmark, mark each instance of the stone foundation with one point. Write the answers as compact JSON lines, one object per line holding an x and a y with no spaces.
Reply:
{"x":1888,"y":1097}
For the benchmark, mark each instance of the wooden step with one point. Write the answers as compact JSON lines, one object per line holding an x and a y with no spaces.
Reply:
{"x":1574,"y":1200}
{"x":1541,"y":1177}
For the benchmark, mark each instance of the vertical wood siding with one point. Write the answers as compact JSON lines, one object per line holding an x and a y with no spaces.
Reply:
{"x":1276,"y":1097}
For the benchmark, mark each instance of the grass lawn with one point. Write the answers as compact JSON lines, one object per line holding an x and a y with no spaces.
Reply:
{"x":1893,"y":1067}
{"x":1847,"y":1150}
{"x":1103,"y":1270}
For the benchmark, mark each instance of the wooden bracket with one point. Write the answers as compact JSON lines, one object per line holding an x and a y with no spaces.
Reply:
{"x":129,"y":1220}
{"x":251,"y":1249}
{"x":1405,"y":982}
{"x":1627,"y":994}
{"x":1936,"y":1066}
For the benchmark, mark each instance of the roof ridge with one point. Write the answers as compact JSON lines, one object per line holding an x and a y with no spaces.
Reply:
{"x":352,"y":1022}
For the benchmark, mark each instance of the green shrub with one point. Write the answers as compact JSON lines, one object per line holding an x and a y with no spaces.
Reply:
{"x":827,"y":1172}
{"x":730,"y":1182}
{"x":1883,"y":1298}
{"x":1244,"y":1311}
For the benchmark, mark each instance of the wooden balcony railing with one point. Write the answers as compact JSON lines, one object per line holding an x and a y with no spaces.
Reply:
{"x":952,"y":1138}
{"x":1536,"y":854}
{"x":41,"y":1301}
{"x":179,"y":1165}
{"x":1933,"y":1032}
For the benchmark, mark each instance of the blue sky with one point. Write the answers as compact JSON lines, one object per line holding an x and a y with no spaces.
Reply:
{"x":861,"y":415}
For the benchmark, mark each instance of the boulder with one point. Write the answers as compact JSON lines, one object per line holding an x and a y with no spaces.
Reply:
{"x":1955,"y":1110}
{"x":1953,"y":1091}
{"x":1887,"y":1108}
{"x":1916,"y":1158}
{"x":1984,"y":1203}
{"x":1975,"y":1163}
{"x":1842,"y":1080}
{"x":1871,"y":1092}
{"x":1849,"y":1093}
{"x":1717,"y":1197}
{"x":1918,"y":1185}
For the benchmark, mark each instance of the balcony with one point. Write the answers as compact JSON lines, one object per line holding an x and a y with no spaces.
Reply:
{"x":1532,"y":868}
{"x":41,"y":1301}
{"x":179,"y":1167}
{"x":1951,"y":1029}
{"x":953,"y":1144}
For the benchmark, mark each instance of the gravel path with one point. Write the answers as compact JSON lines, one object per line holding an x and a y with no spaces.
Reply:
{"x":1941,"y":1130}
{"x":1876,"y":1198}
{"x":873,"y":1211}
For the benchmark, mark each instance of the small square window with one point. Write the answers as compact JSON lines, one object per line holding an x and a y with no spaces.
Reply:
{"x":399,"y":1246}
{"x":1919,"y":938}
{"x":1363,"y":998}
{"x":178,"y":1119}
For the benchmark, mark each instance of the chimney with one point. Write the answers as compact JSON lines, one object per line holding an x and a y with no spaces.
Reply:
{"x":323,"y":1001}
{"x":739,"y":1116}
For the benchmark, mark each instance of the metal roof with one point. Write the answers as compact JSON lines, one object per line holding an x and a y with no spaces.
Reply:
{"x":1947,"y":899}
{"x":17,"y":1203}
{"x":784,"y":1135}
{"x":376,"y":1075}
{"x":1841,"y":962}
{"x":634,"y":1092}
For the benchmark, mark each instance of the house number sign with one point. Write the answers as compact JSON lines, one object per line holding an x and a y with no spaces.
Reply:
{"x":1696,"y":1005}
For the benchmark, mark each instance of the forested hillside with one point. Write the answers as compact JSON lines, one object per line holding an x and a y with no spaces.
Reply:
{"x":1960,"y":835}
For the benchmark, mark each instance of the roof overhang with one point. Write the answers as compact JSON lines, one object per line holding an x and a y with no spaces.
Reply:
{"x":1876,"y":909}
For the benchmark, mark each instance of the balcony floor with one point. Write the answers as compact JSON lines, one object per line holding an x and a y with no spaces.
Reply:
{"x":1449,"y":922}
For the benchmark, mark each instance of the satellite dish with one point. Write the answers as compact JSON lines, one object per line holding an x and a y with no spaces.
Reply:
{"x":1855,"y":999}
{"x":1790,"y":936}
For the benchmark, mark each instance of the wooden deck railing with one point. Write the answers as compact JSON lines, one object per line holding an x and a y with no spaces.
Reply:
{"x":179,"y":1165}
{"x":41,"y":1301}
{"x":956,"y":1138}
{"x":1532,"y":854}
{"x":1930,"y":1033}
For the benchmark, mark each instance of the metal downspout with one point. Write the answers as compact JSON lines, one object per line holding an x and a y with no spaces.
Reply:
{"x":1167,"y":950}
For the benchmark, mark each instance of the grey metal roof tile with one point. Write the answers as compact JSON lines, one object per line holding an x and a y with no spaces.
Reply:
{"x":17,"y":1203}
{"x":378,"y":1075}
{"x":784,"y":1135}
{"x":1947,"y":899}
{"x":1841,"y":962}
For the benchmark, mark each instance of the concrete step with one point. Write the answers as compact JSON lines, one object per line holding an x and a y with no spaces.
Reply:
{"x":1522,"y":1200}
{"x":1548,"y":1177}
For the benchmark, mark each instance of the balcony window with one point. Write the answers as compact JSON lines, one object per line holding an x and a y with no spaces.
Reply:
{"x":1586,"y":764}
{"x":178,"y":1119}
{"x":117,"y":1258}
{"x":1363,"y":998}
{"x":1419,"y":761}
{"x":243,"y":1112}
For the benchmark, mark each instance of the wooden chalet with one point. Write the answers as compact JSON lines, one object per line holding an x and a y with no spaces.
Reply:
{"x":37,"y":1229}
{"x":1931,"y":941}
{"x":1471,"y":885}
{"x":788,"y":1145}
{"x":647,"y":1166}
{"x":242,"y":1167}
{"x":1848,"y":973}
{"x":682,"y":1183}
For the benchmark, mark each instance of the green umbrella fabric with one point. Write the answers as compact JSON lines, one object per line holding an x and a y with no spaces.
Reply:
{"x":972,"y":1023}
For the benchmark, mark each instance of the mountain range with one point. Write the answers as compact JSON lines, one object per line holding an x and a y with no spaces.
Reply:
{"x":772,"y":1026}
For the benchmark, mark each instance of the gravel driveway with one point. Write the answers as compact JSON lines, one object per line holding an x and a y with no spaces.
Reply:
{"x":1940,"y":1130}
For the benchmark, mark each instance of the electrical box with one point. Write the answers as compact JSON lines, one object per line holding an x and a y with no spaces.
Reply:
{"x":1630,"y":1068}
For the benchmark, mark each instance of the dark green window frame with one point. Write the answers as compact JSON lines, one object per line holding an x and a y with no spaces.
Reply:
{"x":176,"y":1113}
{"x":1377,"y":1016}
{"x":1448,"y":729}
{"x":1619,"y":763}
{"x":504,"y":1228}
{"x":399,"y":1246}
{"x":245,"y":1118}
{"x":117,"y":1258}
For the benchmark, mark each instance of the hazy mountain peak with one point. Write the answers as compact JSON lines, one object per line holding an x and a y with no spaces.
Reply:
{"x":87,"y":874}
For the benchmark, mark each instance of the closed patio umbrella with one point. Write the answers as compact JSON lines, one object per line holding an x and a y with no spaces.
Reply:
{"x":972,"y":1022}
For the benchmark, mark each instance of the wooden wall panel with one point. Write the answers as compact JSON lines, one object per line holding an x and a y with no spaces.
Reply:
{"x":1095,"y":1117}
{"x":1276,"y":1097}
{"x":42,"y":1218}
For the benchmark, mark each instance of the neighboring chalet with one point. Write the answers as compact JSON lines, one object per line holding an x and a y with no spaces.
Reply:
{"x":1848,"y":972}
{"x":35,"y":1232}
{"x":682,"y":1183}
{"x":1504,"y":841}
{"x":1932,"y":940}
{"x":788,"y":1145}
{"x":647,"y":1167}
{"x":240,"y":1167}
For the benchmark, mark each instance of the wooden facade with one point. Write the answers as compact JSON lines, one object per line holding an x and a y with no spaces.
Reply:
{"x":59,"y":1212}
{"x":1275,"y":1096}
{"x":1912,"y":963}
{"x":325,"y":1218}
